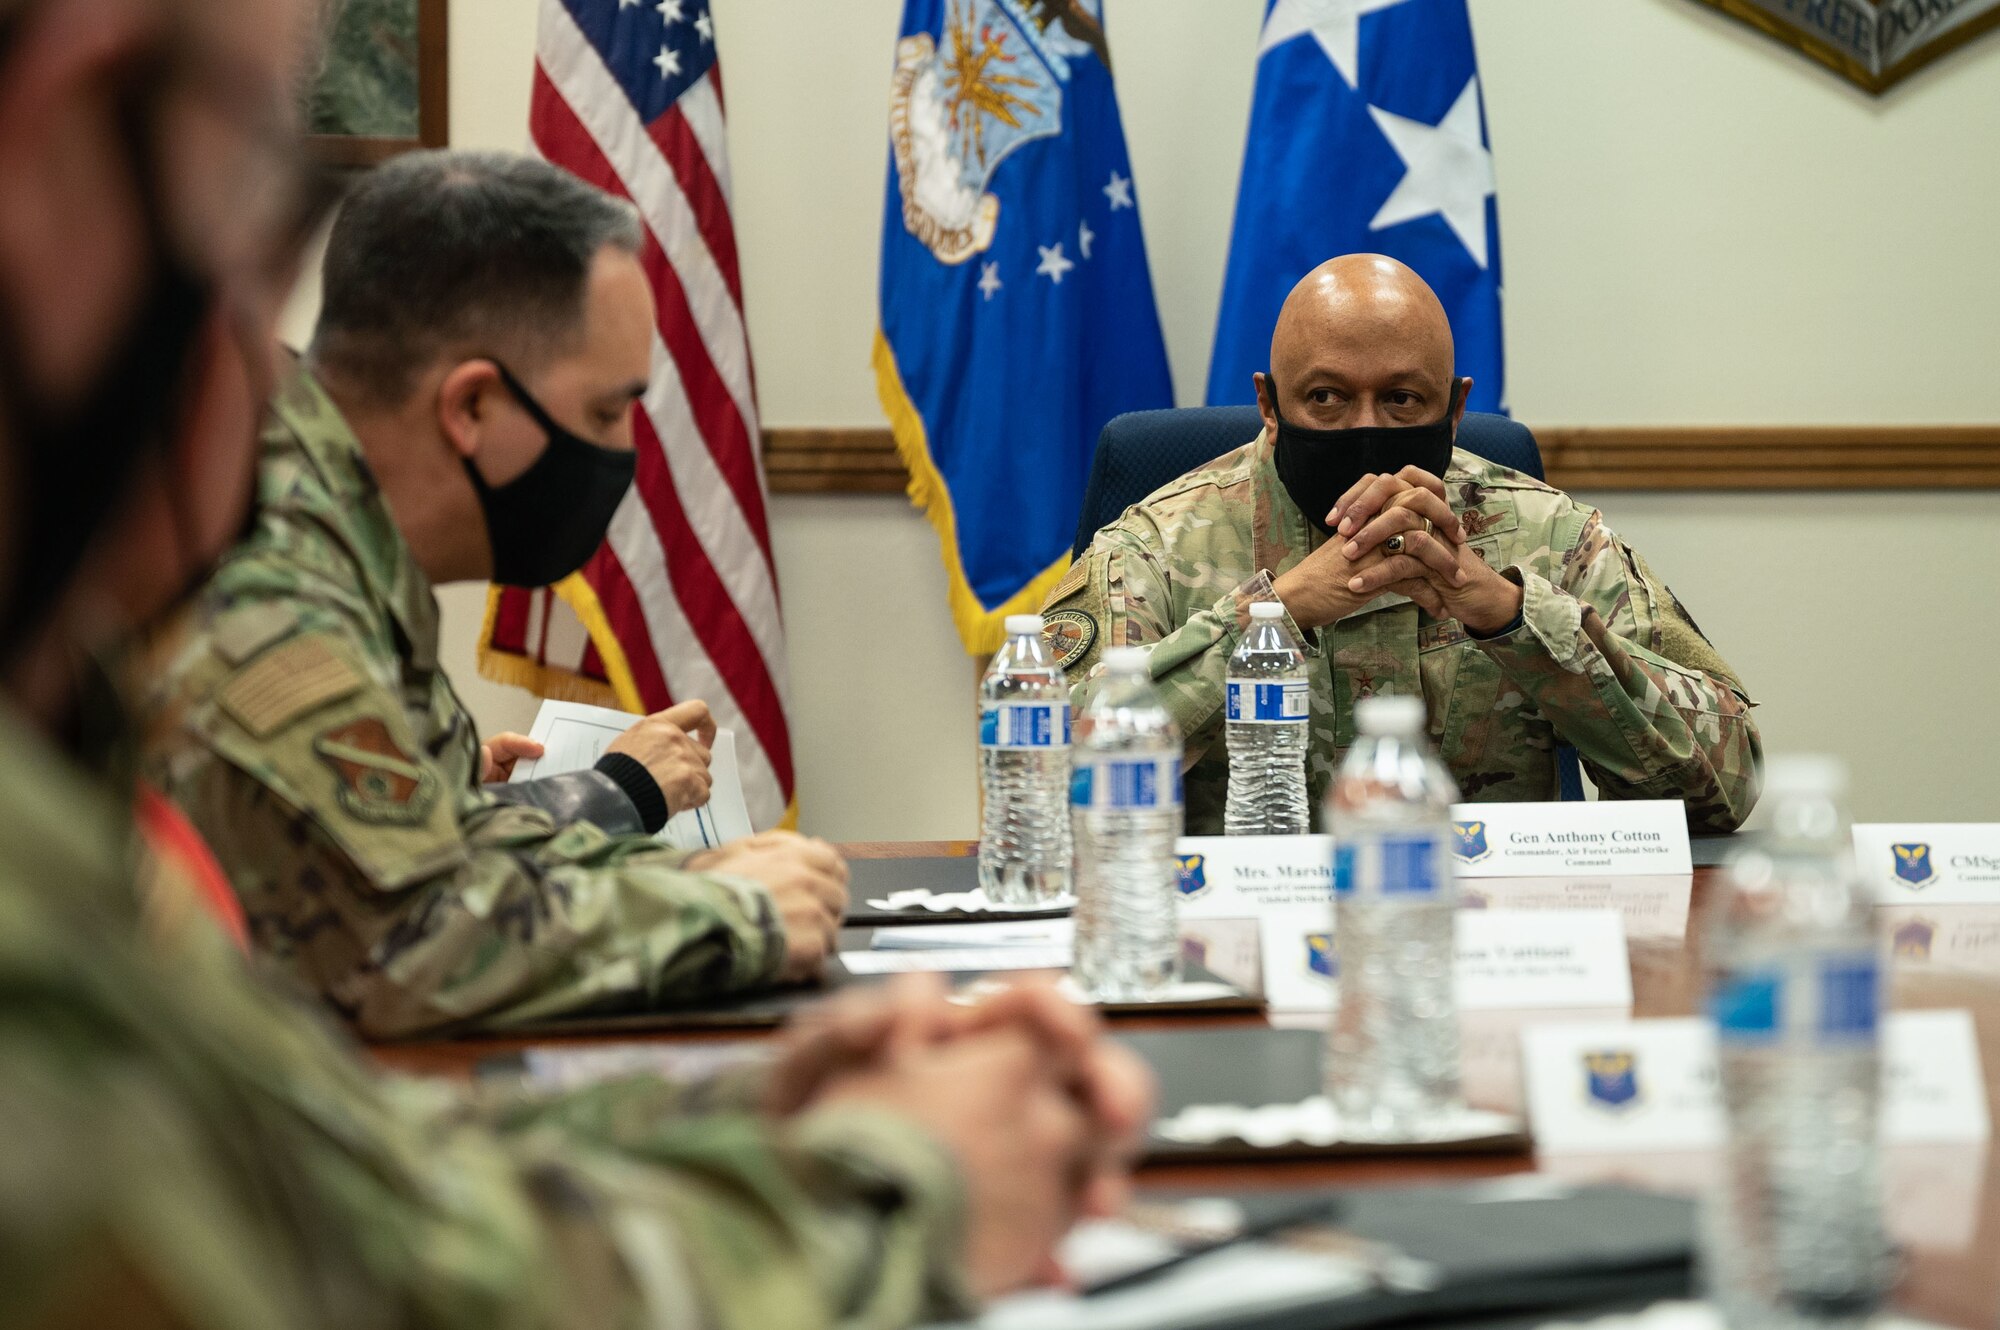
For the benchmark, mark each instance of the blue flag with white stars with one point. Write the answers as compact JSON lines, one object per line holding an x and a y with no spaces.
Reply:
{"x":1017,"y":311}
{"x":1367,"y":134}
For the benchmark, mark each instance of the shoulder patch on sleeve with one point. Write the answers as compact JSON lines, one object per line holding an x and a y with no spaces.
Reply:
{"x":1070,"y":634}
{"x":379,"y":781}
{"x":286,"y":683}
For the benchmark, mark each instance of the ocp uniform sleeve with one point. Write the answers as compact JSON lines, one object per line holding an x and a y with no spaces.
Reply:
{"x":1121,"y":587}
{"x":1610,"y":657}
{"x":415,"y":907}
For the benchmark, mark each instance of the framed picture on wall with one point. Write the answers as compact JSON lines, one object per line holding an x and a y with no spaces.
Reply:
{"x":381,"y":86}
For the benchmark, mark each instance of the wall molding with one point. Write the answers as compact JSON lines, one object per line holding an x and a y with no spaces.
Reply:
{"x":1579,"y":457}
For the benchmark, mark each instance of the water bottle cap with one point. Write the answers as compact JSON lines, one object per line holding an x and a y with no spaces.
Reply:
{"x":1262,"y":610}
{"x":1128,"y":660}
{"x":1806,"y":774}
{"x":1389,"y":714}
{"x":1023,"y":623}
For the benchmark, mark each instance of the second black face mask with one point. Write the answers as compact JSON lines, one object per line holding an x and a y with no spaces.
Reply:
{"x":1317,"y":466}
{"x":545,"y":523}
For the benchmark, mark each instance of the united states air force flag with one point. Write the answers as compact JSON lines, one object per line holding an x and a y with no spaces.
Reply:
{"x":1367,"y":133}
{"x":1017,"y":313}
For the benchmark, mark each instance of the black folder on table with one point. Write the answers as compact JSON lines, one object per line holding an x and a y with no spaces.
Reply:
{"x":1521,"y":1248}
{"x":1255,"y":1067}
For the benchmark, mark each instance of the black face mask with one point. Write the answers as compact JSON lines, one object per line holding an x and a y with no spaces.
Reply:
{"x":545,"y":523}
{"x":1317,"y":466}
{"x":78,"y":457}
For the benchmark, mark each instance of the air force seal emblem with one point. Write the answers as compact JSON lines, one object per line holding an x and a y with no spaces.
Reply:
{"x":1611,"y":1079}
{"x":1913,"y":863}
{"x":1469,"y":842}
{"x":1193,"y":875}
{"x":960,"y":101}
{"x":1321,"y":958}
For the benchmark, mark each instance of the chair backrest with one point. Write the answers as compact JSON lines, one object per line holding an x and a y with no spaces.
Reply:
{"x":1142,"y":450}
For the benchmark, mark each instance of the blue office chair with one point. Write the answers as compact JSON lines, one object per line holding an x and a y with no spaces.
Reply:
{"x":1142,"y":450}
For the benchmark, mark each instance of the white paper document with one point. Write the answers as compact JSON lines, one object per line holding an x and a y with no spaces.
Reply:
{"x":575,"y":735}
{"x":1653,"y":1085}
{"x":1940,"y":863}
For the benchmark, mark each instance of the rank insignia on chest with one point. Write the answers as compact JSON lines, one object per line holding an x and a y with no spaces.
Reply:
{"x":1913,"y":863}
{"x":379,"y":781}
{"x":1611,"y":1079}
{"x":1321,"y":958}
{"x":1469,"y":841}
{"x":1191,"y":875}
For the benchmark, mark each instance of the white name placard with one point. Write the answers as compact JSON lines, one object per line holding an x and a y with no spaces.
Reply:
{"x":1515,"y":959}
{"x":1507,"y":960}
{"x":1947,"y":863}
{"x":1653,"y":1086}
{"x":1242,"y":877}
{"x":1608,"y":838}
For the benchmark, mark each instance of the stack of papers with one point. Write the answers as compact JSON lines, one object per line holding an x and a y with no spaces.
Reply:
{"x":575,"y":735}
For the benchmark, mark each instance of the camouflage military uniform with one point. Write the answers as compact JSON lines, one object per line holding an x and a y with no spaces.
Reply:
{"x":1605,"y":658}
{"x":181,"y":1146}
{"x":307,"y":730}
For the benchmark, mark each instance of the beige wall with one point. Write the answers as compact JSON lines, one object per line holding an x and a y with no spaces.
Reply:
{"x":1697,"y":226}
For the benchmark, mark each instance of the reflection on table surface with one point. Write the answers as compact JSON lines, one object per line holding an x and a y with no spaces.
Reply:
{"x":1944,"y":1201}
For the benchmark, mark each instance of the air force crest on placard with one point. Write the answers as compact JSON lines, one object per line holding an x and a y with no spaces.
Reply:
{"x":1611,"y":1078}
{"x":1469,"y":842}
{"x":960,"y":102}
{"x":1874,"y":43}
{"x":1913,"y":863}
{"x":1321,"y":958}
{"x":1193,"y":875}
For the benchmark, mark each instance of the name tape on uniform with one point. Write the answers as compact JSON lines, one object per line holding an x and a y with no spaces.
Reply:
{"x":1653,"y":1086}
{"x":1946,"y":863}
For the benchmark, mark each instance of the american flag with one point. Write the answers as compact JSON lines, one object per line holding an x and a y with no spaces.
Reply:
{"x":682,"y":600}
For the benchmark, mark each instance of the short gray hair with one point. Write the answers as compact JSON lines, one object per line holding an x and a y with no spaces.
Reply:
{"x":438,"y":253}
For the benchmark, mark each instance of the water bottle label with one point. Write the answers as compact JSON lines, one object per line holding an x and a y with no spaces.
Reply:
{"x":1268,"y":703}
{"x":1850,"y":996}
{"x":1748,"y":1007}
{"x":1757,"y":1006}
{"x":1152,"y":782}
{"x":1406,"y":865}
{"x":1024,"y":725}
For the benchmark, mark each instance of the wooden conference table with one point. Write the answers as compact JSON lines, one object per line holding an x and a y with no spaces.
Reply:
{"x":1954,"y":1281}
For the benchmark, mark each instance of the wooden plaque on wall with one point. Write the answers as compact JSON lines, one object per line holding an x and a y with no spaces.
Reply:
{"x":383,"y":84}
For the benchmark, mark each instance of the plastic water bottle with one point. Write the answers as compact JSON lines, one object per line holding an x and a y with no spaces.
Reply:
{"x":1268,"y":708}
{"x":1024,"y":845}
{"x":1393,"y":1061}
{"x":1125,"y":802}
{"x":1794,"y":1230}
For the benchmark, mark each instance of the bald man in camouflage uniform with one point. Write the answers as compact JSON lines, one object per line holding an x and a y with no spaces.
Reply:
{"x":1510,"y":608}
